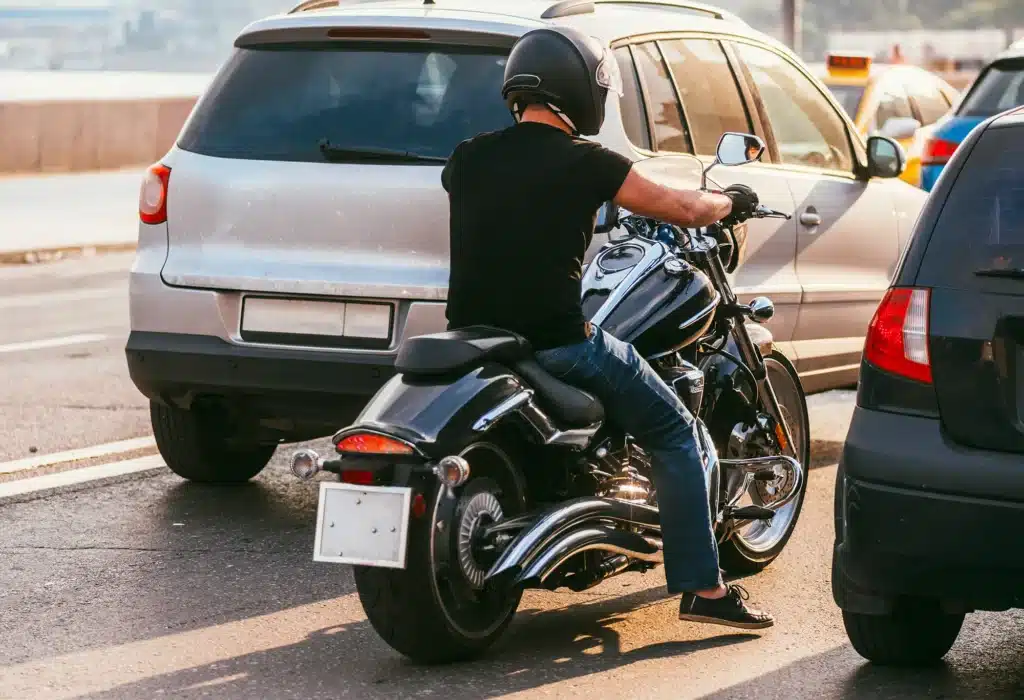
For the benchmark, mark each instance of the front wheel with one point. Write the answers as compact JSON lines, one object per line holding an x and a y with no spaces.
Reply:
{"x":757,"y":545}
{"x":437,"y":609}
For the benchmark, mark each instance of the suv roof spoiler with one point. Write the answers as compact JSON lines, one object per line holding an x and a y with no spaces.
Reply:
{"x":566,"y":8}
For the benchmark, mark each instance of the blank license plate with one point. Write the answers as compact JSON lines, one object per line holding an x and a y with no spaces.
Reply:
{"x":305,"y":318}
{"x":362,"y":525}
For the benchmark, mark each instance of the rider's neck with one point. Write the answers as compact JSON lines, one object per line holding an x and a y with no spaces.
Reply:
{"x":543,"y":115}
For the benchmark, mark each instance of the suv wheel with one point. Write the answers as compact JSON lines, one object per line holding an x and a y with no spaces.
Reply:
{"x":916,"y":633}
{"x":194,"y":445}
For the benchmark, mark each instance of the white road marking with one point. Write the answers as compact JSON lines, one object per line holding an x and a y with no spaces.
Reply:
{"x":110,"y":448}
{"x":53,"y":342}
{"x":64,"y":297}
{"x":80,"y":476}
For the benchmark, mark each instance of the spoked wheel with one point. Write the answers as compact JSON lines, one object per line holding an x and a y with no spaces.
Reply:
{"x":438,"y":609}
{"x":758,"y":544}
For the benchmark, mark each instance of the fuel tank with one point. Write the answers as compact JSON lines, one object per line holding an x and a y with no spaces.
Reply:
{"x":639,"y":292}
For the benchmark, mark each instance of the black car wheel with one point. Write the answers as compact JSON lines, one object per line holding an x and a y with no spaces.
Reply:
{"x":916,"y":633}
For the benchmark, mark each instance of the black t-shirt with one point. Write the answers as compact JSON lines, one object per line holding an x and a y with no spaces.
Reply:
{"x":524,"y":202}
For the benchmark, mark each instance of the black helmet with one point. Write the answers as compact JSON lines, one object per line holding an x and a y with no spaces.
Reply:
{"x":566,"y":70}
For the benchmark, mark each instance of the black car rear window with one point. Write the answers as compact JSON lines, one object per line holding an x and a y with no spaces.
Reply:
{"x":998,"y":89}
{"x":281,"y":102}
{"x":978,"y":239}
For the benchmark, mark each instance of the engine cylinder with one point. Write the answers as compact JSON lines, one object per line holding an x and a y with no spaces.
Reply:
{"x":688,"y":382}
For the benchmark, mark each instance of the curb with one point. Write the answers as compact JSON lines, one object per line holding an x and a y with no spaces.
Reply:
{"x":44,"y":255}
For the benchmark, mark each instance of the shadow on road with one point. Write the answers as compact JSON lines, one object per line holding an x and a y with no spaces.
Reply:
{"x":541,"y":648}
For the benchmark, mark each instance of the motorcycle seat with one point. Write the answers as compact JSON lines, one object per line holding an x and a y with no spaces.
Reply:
{"x":460,"y":350}
{"x":569,"y":406}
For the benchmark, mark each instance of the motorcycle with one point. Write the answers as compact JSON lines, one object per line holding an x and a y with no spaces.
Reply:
{"x":473,"y":474}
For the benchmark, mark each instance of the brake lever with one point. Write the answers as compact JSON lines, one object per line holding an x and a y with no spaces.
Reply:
{"x":763,"y":212}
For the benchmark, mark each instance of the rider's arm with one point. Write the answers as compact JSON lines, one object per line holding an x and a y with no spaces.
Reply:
{"x":686,"y":208}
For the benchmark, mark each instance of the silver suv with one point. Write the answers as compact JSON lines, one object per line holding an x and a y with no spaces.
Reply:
{"x":297,"y":232}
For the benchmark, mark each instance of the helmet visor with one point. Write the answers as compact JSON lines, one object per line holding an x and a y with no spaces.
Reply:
{"x":608,"y":75}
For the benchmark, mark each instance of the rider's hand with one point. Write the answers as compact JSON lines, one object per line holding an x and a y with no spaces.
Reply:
{"x":744,"y":202}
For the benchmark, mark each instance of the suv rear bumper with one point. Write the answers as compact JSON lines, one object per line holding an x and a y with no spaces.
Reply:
{"x":290,"y":386}
{"x":901,"y":534}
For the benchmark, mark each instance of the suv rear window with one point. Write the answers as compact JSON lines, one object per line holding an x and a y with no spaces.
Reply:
{"x":280,"y":102}
{"x":1000,"y":88}
{"x":982,"y":217}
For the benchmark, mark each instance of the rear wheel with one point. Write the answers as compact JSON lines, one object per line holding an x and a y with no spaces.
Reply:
{"x":195,"y":445}
{"x":438,"y":609}
{"x":916,"y":633}
{"x":757,"y":545}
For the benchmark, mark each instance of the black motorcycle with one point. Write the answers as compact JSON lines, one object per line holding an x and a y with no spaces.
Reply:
{"x":473,"y":474}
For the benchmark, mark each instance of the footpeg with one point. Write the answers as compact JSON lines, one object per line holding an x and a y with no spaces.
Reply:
{"x":751,"y":513}
{"x":766,"y":475}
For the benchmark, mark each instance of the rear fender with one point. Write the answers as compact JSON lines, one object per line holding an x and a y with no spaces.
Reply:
{"x":436,"y":415}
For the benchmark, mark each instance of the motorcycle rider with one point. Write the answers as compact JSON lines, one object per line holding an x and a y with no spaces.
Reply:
{"x":523,"y":205}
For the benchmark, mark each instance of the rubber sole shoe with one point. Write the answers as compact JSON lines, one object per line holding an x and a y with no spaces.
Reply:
{"x":728,"y":611}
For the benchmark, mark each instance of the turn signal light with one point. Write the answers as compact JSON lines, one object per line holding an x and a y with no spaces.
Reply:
{"x":372,"y":444}
{"x":937,"y":152}
{"x":897,"y":339}
{"x":153,"y":195}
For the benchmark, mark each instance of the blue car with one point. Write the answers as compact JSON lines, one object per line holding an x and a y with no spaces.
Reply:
{"x":998,"y":88}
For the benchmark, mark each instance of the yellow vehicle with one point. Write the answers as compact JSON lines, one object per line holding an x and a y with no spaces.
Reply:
{"x":893,"y":100}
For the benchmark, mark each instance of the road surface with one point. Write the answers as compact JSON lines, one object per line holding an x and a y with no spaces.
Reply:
{"x":144,"y":586}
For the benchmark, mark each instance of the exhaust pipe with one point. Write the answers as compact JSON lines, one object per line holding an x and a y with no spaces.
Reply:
{"x":550,"y":525}
{"x":587,"y":538}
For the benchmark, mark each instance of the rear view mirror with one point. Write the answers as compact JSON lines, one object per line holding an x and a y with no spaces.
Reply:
{"x":900,"y":128}
{"x":885,"y":157}
{"x":738,"y":149}
{"x":607,"y":218}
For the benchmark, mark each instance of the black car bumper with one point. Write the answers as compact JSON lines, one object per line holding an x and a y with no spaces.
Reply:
{"x":901,"y":532}
{"x":297,"y":387}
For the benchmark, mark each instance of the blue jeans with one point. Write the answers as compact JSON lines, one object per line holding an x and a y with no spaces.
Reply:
{"x":637,"y":401}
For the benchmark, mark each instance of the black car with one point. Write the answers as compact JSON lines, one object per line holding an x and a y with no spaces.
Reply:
{"x":930,"y":487}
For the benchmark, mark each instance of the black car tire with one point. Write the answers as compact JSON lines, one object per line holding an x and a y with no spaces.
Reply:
{"x":916,"y":633}
{"x":194,"y":446}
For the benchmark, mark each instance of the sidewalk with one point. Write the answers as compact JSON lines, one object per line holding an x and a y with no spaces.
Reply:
{"x":47,"y":212}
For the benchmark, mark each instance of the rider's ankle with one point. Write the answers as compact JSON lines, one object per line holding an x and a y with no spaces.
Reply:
{"x":713,"y":593}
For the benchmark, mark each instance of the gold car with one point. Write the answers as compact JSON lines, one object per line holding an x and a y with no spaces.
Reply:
{"x":893,"y":100}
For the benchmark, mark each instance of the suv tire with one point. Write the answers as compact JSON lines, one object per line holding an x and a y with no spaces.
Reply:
{"x":193,"y":445}
{"x":916,"y":633}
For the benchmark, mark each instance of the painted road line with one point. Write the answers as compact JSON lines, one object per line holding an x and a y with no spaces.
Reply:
{"x":80,"y":476}
{"x":110,"y":448}
{"x":65,"y":297}
{"x":53,"y":342}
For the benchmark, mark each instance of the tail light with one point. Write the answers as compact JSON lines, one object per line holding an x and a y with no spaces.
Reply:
{"x":937,"y":151}
{"x":153,"y":195}
{"x":897,"y":339}
{"x":372,"y":444}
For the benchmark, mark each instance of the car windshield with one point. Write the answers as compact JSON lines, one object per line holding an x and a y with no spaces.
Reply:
{"x":998,"y":89}
{"x":282,"y":103}
{"x":849,"y":97}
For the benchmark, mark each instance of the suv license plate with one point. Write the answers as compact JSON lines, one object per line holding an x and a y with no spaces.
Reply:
{"x":362,"y":525}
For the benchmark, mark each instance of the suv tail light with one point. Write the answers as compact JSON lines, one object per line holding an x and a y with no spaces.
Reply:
{"x":153,"y":195}
{"x":897,"y":340}
{"x":937,"y":151}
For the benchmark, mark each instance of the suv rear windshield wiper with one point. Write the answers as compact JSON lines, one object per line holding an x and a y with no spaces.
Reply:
{"x":344,"y":153}
{"x":1016,"y":273}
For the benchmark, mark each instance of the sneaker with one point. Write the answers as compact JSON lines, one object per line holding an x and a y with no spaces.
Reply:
{"x":729,"y":610}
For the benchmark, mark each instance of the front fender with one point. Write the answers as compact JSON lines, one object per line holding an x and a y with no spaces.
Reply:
{"x":437,"y":415}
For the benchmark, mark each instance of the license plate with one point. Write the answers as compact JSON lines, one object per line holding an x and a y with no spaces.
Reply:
{"x":272,"y":319}
{"x":362,"y":525}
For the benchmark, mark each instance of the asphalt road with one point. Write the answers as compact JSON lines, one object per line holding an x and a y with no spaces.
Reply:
{"x":145,"y":586}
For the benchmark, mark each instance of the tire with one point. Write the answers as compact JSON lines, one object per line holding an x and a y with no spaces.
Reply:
{"x":194,"y":446}
{"x":737,"y":556}
{"x":917,"y":633}
{"x":412,"y":609}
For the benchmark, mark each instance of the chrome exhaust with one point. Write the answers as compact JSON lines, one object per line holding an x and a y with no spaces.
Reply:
{"x":587,"y":538}
{"x":548,"y":528}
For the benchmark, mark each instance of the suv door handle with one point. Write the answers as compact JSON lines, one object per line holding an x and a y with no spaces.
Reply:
{"x":809,"y":217}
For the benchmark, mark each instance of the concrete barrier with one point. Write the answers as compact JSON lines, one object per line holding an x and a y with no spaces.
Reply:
{"x":65,"y":121}
{"x":77,"y":136}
